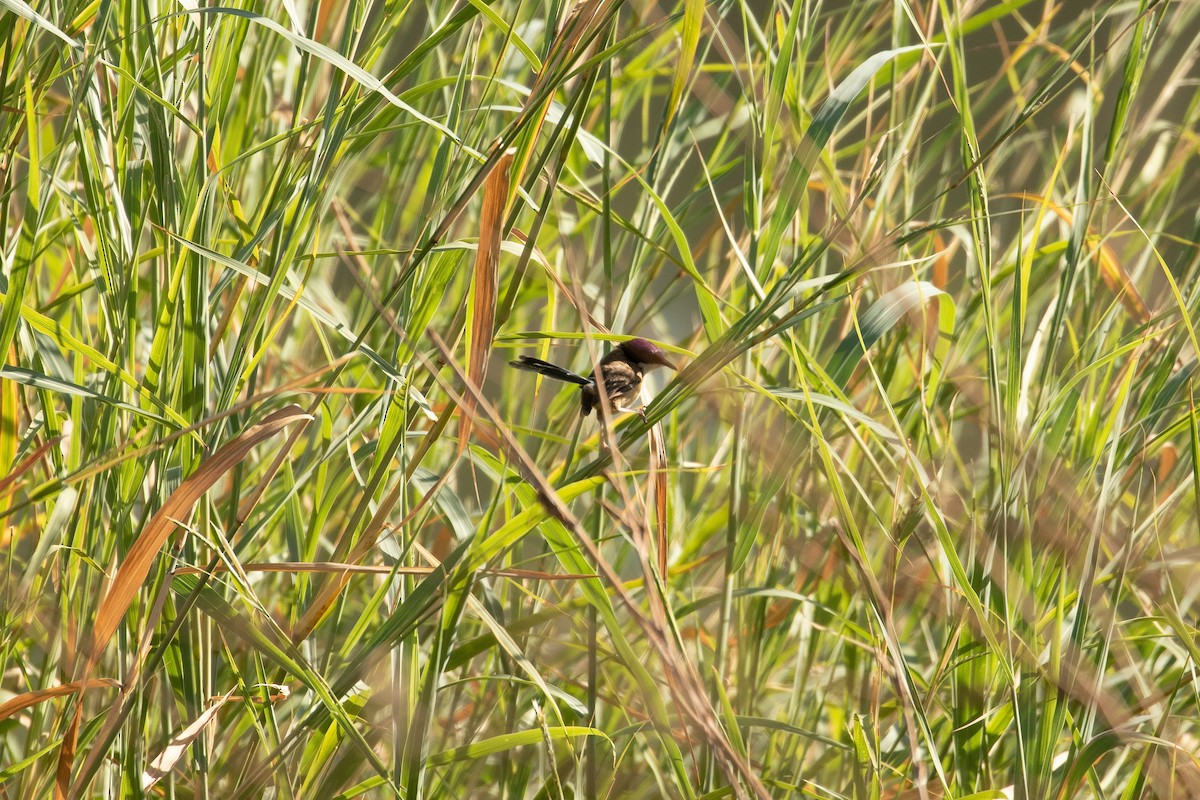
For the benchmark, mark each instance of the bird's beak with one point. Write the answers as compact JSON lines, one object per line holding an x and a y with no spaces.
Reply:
{"x":662,"y":360}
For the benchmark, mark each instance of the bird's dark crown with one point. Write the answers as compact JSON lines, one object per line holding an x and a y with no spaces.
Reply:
{"x":646,"y":353}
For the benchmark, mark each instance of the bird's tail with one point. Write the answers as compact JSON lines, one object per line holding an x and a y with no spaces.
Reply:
{"x":554,"y":371}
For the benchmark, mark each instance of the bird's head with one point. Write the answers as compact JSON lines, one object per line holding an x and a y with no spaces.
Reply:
{"x":646,"y":355}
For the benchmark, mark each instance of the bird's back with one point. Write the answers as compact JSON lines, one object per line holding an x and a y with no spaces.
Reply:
{"x":622,"y":383}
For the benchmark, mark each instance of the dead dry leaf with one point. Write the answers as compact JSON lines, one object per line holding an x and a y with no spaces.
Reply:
{"x":24,"y":701}
{"x":484,"y":286}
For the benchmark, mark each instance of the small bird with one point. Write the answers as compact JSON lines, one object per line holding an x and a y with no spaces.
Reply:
{"x":623,"y":368}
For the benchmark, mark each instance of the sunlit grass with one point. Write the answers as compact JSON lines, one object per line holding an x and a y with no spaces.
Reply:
{"x":916,"y":518}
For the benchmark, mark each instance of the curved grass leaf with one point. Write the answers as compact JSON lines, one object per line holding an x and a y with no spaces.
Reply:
{"x":879,"y":319}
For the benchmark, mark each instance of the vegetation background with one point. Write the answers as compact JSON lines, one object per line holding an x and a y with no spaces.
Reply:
{"x":917,"y":517}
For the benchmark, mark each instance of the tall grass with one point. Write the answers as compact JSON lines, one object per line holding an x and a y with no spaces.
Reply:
{"x":917,"y":517}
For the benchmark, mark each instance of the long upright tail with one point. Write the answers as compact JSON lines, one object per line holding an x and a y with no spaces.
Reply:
{"x":531,"y":364}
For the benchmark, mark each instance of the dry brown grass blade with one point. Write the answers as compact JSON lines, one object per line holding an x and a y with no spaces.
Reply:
{"x":28,"y":463}
{"x":24,"y":701}
{"x":658,"y":485}
{"x":484,"y":288}
{"x":133,"y":570}
{"x":166,"y":760}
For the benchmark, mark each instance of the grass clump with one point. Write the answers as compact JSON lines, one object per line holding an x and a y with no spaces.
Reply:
{"x":917,"y":517}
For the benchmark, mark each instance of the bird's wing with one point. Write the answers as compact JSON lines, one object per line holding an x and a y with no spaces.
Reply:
{"x":622,"y":381}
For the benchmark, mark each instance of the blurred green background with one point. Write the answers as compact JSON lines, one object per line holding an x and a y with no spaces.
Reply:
{"x":917,"y":518}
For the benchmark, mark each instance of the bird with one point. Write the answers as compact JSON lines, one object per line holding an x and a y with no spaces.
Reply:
{"x":623,"y":368}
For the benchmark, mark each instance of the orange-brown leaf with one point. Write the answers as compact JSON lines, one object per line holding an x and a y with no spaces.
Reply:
{"x":133,"y":570}
{"x":658,"y":480}
{"x":487,"y":258}
{"x":24,"y":701}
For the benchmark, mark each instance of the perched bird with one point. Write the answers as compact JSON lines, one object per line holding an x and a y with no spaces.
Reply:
{"x":622,"y":368}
